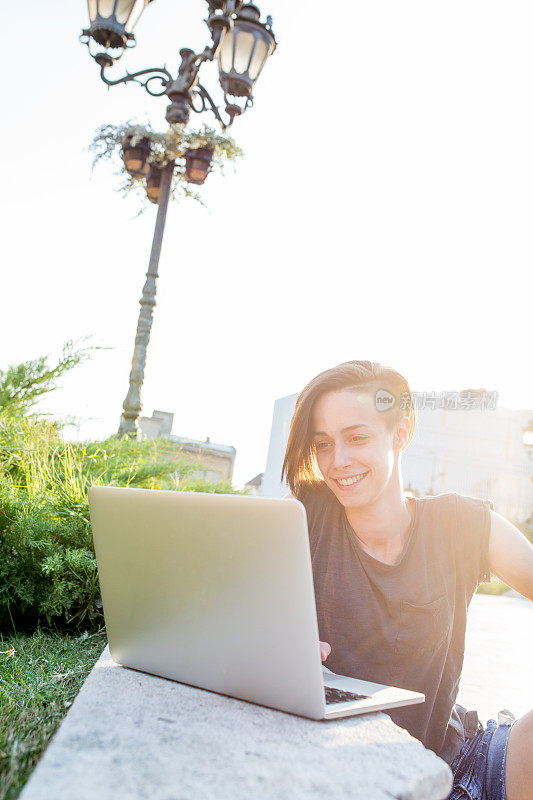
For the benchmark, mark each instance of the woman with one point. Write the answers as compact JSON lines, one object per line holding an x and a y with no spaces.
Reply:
{"x":394,"y":575}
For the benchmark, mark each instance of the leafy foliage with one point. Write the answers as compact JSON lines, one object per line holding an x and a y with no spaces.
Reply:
{"x":21,"y":385}
{"x":48,"y":572}
{"x":165,"y":148}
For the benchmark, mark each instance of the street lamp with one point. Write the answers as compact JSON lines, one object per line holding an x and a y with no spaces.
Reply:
{"x":241,"y":43}
{"x":113,"y":21}
{"x":245,"y":48}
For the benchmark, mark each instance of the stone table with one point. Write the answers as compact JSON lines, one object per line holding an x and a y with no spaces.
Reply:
{"x":134,"y":736}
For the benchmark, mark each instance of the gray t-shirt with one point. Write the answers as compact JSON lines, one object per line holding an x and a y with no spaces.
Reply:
{"x":403,"y":624}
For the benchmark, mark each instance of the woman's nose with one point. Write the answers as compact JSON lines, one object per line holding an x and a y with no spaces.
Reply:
{"x":341,"y":456}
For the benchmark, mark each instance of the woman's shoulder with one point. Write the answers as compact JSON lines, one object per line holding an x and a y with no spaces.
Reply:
{"x":465,"y":522}
{"x":456,"y":501}
{"x":459,"y":518}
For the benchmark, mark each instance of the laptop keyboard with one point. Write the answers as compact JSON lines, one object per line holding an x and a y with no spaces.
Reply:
{"x":338,"y":696}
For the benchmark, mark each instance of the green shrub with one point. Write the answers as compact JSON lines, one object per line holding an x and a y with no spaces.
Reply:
{"x":23,"y":385}
{"x":495,"y":586}
{"x":48,"y":572}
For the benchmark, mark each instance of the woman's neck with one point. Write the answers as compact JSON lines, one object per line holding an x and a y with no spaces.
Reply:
{"x":383,"y":527}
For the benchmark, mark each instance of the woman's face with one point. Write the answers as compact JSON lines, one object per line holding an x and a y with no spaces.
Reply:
{"x":354,"y":447}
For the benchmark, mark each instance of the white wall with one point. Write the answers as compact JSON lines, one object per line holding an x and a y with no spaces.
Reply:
{"x":271,"y":485}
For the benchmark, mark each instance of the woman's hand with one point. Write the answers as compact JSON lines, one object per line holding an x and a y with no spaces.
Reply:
{"x":325,"y":650}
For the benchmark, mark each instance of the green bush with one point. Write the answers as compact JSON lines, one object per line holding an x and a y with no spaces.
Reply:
{"x":495,"y":586}
{"x":48,"y":572}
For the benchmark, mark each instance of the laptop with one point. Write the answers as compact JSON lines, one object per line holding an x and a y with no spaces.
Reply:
{"x":216,"y":591}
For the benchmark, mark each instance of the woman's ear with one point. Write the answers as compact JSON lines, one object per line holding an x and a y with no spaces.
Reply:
{"x":403,"y":433}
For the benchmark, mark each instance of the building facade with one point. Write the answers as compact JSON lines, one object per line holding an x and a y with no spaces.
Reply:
{"x":215,"y":461}
{"x":253,"y":487}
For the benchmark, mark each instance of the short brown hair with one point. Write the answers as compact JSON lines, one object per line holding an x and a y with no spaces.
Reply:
{"x":300,"y":465}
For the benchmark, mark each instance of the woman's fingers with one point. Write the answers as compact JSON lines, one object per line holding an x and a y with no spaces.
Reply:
{"x":325,"y":650}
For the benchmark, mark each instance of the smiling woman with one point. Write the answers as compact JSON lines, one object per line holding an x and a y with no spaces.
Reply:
{"x":369,"y":383}
{"x":394,"y":575}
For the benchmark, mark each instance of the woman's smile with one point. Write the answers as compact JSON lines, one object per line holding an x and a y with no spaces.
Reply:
{"x":350,"y":481}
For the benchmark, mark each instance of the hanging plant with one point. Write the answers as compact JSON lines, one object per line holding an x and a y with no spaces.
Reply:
{"x":126,"y":144}
{"x":198,"y":164}
{"x":135,"y":154}
{"x":153,"y":183}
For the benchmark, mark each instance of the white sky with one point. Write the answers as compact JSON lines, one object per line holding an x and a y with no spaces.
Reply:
{"x":382,"y":211}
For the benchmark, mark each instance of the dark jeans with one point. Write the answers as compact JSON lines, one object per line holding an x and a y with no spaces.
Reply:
{"x":479,"y":769}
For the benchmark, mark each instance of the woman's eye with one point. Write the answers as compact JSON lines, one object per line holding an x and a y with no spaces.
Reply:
{"x":355,"y":439}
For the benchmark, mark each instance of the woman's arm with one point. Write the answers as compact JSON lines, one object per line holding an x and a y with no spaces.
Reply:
{"x":510,"y":555}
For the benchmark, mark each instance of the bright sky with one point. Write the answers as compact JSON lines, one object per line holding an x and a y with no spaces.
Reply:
{"x":382,"y":211}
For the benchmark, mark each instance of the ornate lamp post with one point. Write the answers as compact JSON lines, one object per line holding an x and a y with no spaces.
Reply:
{"x":242,"y":44}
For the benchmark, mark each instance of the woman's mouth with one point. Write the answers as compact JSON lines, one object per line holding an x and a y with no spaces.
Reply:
{"x":350,"y":481}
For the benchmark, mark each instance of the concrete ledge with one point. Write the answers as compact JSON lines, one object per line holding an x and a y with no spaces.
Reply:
{"x":133,"y":736}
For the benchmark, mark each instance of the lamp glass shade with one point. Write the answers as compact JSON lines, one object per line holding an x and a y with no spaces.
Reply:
{"x":106,"y":8}
{"x":112,"y":21}
{"x":226,"y":52}
{"x":136,"y":12}
{"x":244,"y":44}
{"x":258,"y":58}
{"x":123,"y":10}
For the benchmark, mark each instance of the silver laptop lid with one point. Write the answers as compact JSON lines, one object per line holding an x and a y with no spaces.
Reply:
{"x":211,"y":590}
